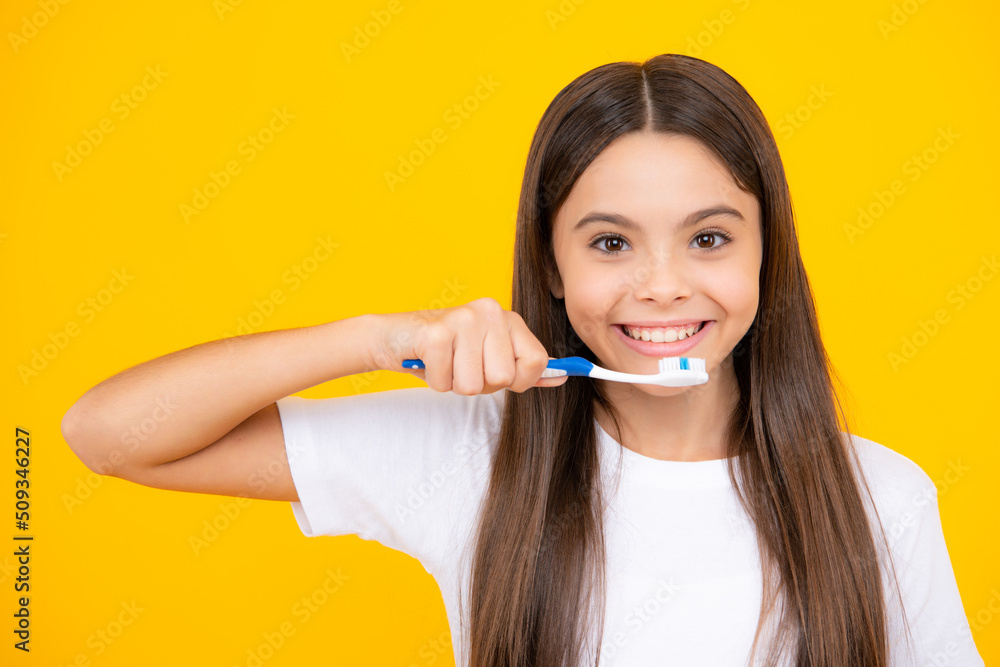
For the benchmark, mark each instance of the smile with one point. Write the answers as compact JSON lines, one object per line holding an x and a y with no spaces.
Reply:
{"x":671,"y":345}
{"x":662,"y":334}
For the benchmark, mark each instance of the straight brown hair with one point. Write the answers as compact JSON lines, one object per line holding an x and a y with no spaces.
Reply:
{"x":538,"y":568}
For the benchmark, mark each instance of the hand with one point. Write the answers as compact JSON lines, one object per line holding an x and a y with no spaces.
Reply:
{"x":474,"y":348}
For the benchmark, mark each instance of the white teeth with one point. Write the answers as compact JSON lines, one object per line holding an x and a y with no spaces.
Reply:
{"x":662,"y":335}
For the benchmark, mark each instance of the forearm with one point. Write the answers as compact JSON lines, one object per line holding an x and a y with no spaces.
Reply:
{"x":177,"y":404}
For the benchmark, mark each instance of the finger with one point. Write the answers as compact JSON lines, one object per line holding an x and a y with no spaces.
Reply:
{"x":498,"y":355}
{"x":437,"y":357}
{"x":551,"y":381}
{"x":416,"y":372}
{"x":468,"y":366}
{"x":530,"y":357}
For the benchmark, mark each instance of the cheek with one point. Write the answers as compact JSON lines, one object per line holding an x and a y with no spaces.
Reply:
{"x":589,"y":297}
{"x":738,"y":293}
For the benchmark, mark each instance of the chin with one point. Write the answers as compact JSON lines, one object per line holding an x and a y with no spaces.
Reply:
{"x":654,"y":390}
{"x":666,"y":392}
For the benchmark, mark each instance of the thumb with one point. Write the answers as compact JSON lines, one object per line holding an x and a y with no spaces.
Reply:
{"x":418,"y":372}
{"x":551,"y":381}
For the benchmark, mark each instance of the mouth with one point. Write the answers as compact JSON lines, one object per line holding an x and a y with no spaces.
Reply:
{"x":663,"y":341}
{"x":661,"y":334}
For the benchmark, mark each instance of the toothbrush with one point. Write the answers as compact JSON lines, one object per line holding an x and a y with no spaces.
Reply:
{"x":674,"y":371}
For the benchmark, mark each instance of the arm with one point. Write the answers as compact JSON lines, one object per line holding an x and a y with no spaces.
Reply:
{"x":204,"y":419}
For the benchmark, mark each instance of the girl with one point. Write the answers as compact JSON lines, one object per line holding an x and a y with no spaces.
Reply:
{"x":588,"y":522}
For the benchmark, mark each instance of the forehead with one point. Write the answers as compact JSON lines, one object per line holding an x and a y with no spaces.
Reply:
{"x":655,"y":176}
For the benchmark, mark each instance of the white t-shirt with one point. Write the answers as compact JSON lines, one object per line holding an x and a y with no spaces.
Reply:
{"x":409,"y":467}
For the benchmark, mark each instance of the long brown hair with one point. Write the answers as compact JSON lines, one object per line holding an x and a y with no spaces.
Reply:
{"x":538,"y":569}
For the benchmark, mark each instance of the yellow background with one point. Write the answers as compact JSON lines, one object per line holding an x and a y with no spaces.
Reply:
{"x":853,"y":92}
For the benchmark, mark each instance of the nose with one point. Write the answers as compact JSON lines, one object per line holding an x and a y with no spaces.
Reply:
{"x":662,"y":279}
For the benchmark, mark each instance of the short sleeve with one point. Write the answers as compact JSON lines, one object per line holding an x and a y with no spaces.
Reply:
{"x":910,"y":516}
{"x":402,"y":467}
{"x":939,"y":626}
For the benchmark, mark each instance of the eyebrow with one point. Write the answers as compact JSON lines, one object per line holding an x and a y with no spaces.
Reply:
{"x":628,"y":223}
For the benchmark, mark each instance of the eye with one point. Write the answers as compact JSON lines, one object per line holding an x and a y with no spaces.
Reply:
{"x":604,"y":240}
{"x":613,"y":244}
{"x":709,"y":234}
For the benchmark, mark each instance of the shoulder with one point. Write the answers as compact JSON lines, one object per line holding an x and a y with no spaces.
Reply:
{"x":898,"y":485}
{"x":932,"y":611}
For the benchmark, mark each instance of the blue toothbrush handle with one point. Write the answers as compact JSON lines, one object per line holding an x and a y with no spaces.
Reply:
{"x":572,"y":365}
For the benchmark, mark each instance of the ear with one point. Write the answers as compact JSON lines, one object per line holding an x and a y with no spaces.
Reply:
{"x":555,"y":282}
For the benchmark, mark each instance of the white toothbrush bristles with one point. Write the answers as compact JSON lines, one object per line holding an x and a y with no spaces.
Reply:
{"x":674,"y":364}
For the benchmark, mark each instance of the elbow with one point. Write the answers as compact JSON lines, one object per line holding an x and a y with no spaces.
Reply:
{"x":83,"y":435}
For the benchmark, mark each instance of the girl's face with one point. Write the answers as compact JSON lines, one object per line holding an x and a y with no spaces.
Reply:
{"x":656,"y":232}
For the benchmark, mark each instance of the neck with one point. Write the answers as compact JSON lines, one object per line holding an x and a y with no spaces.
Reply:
{"x":689,"y":425}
